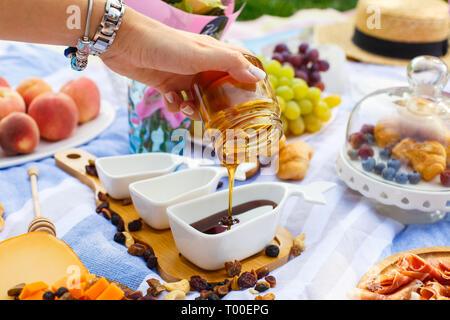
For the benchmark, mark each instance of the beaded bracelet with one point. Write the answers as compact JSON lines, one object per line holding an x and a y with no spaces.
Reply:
{"x":103,"y":38}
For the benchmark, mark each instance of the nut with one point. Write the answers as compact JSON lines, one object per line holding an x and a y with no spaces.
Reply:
{"x":129,"y":241}
{"x":137,"y":249}
{"x":16,"y":290}
{"x":253,"y":291}
{"x":182,"y":285}
{"x":298,"y":245}
{"x":154,"y":287}
{"x":234,"y":283}
{"x":175,"y":295}
{"x":233,"y":268}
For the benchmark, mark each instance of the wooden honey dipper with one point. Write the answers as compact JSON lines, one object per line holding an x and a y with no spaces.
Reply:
{"x":39,"y":223}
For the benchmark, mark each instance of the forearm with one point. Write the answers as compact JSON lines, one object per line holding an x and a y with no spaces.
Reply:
{"x":48,"y":21}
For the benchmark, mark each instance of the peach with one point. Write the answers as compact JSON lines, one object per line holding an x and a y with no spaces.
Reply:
{"x":31,"y":88}
{"x":10,"y":101}
{"x":4,"y":83}
{"x":86,"y":95}
{"x":56,"y":115}
{"x":19,"y":133}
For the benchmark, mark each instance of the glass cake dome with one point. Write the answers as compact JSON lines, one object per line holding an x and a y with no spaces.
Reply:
{"x":401,"y":136}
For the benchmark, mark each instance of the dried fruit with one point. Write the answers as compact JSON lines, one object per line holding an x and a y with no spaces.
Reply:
{"x":101,"y":206}
{"x":271,"y":281}
{"x":148,"y":297}
{"x":246,"y":280}
{"x":119,"y":237}
{"x":154,"y":287}
{"x":67,"y":296}
{"x":137,"y":249}
{"x":126,"y":202}
{"x":221,"y":290}
{"x":134,"y":295}
{"x":102,"y":196}
{"x":182,"y":285}
{"x":91,"y":170}
{"x":16,"y":290}
{"x":298,"y":245}
{"x":205,"y":293}
{"x":175,"y":295}
{"x":115,"y":218}
{"x":197,"y":283}
{"x":200,"y":298}
{"x":120,"y":225}
{"x":272,"y":251}
{"x":48,"y":295}
{"x":219,"y":185}
{"x":148,"y":253}
{"x":61,"y":291}
{"x":135,"y":225}
{"x":262,"y":272}
{"x":152,"y":262}
{"x":262,"y":286}
{"x":234,"y":284}
{"x":233,"y":268}
{"x":269,"y":296}
{"x":357,"y":139}
{"x":106,"y":213}
{"x":213,"y":296}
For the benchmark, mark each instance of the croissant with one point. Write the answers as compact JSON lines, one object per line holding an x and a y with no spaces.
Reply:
{"x":387,"y":131}
{"x":294,"y":160}
{"x":429,"y":158}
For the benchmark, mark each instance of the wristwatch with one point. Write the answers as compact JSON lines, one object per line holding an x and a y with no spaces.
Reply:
{"x":103,"y":37}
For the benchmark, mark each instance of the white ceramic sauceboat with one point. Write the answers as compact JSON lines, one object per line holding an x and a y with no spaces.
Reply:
{"x":256,"y":228}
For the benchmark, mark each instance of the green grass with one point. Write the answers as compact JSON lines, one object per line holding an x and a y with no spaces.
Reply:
{"x":285,"y":8}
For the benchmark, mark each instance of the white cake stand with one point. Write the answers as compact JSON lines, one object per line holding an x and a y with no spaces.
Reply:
{"x":409,"y":204}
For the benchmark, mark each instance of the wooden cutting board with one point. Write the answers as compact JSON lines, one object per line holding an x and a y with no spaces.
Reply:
{"x":171,"y":265}
{"x":386,"y":265}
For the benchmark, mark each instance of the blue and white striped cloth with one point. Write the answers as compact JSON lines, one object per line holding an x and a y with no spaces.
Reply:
{"x":344,"y":238}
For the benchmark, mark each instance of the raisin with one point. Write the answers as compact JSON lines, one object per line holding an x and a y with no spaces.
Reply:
{"x":148,"y":253}
{"x":272,"y":251}
{"x":200,"y":298}
{"x":126,"y":202}
{"x":119,"y":237}
{"x":102,"y":196}
{"x":271,"y":280}
{"x":106,"y":213}
{"x":246,"y":280}
{"x":48,"y":295}
{"x":197,"y":283}
{"x":261,"y":287}
{"x":135,"y":225}
{"x":152,"y":262}
{"x":120,"y":225}
{"x":115,"y":218}
{"x":233,"y":268}
{"x":61,"y":291}
{"x":220,"y":184}
{"x":103,"y":205}
{"x":67,"y":296}
{"x":91,"y":170}
{"x":213,"y":296}
{"x":262,"y":272}
{"x":134,"y":295}
{"x":137,"y":249}
{"x":148,"y":297}
{"x":210,"y":286}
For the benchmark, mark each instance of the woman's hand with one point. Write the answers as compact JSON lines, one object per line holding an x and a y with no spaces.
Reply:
{"x":167,"y":59}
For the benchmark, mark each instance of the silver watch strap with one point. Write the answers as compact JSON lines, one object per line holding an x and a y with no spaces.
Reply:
{"x":106,"y":32}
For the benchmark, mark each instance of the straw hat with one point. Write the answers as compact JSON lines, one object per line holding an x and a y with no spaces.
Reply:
{"x":392,"y":32}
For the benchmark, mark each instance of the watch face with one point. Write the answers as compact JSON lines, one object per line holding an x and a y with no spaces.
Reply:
{"x":215,"y":27}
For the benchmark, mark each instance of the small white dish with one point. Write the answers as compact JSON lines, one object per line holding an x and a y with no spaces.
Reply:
{"x":118,"y":172}
{"x":256,"y":228}
{"x":151,"y":197}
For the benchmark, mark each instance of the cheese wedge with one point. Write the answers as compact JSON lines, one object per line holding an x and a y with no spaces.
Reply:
{"x":36,"y":256}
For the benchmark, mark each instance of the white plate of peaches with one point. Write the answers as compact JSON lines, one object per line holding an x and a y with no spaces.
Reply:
{"x":36,"y":122}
